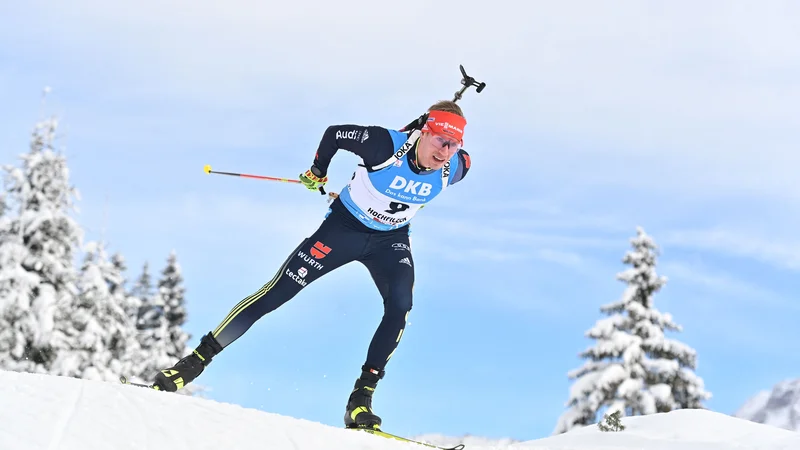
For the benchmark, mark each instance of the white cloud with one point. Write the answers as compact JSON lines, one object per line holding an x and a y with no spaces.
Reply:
{"x":274,"y":218}
{"x":779,"y":251}
{"x":218,"y":223}
{"x":564,"y":258}
{"x":545,"y":212}
{"x":487,"y":231}
{"x":473,"y":255}
{"x":692,"y":101}
{"x":482,"y":255}
{"x":704,"y":88}
{"x":728,"y":289}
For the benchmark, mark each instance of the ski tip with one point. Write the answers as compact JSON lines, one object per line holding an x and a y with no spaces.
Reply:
{"x":207,"y":168}
{"x":124,"y":380}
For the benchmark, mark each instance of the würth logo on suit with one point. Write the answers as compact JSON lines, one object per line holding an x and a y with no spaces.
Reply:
{"x":320,"y":250}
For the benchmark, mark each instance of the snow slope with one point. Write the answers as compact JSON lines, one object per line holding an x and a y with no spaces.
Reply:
{"x":779,"y":407}
{"x":43,"y":412}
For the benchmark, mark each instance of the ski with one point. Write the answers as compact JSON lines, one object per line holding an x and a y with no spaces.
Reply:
{"x":124,"y":380}
{"x":403,"y":439}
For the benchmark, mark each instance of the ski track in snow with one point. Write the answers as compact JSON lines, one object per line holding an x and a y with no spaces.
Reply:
{"x":41,"y":412}
{"x":66,"y":417}
{"x":142,"y":423}
{"x":294,"y":443}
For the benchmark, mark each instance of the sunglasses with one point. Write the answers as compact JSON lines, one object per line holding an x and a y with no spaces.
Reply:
{"x":442,"y":142}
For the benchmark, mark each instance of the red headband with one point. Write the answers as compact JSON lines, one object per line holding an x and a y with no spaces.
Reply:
{"x":445,"y":123}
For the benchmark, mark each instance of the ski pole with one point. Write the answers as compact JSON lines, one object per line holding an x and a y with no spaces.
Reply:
{"x":207,"y":169}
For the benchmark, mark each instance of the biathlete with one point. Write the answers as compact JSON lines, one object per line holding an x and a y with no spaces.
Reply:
{"x":401,"y":171}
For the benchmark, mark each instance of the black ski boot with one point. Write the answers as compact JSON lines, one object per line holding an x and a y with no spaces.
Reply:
{"x":189,"y":367}
{"x":359,"y":406}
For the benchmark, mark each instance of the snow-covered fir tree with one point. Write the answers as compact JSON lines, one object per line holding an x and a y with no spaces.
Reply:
{"x":142,"y":292}
{"x":36,"y":253}
{"x":152,"y":327}
{"x":17,"y":321}
{"x":59,"y":319}
{"x":160,"y":321}
{"x":171,"y":296}
{"x":633,"y":368}
{"x":131,"y":303}
{"x":101,"y":337}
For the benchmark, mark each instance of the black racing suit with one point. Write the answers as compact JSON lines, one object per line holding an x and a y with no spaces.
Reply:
{"x":339,"y":240}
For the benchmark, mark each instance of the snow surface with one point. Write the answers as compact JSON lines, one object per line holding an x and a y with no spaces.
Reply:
{"x":46,"y":412}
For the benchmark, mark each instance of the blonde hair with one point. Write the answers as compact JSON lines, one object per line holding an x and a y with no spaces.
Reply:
{"x":447,"y":106}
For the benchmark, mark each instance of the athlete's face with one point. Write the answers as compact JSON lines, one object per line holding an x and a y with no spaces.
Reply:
{"x":435,"y":150}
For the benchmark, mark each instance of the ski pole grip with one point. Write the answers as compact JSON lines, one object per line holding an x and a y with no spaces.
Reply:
{"x":322,"y":190}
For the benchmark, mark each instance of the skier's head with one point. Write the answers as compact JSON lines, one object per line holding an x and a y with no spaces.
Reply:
{"x":442,"y":135}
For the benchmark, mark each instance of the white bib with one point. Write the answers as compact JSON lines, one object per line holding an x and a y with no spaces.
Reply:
{"x":390,"y":194}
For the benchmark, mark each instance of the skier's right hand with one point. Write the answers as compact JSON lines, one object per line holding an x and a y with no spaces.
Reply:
{"x":313,"y":179}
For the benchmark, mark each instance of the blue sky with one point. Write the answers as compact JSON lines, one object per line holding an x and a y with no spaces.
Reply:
{"x":681,"y":118}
